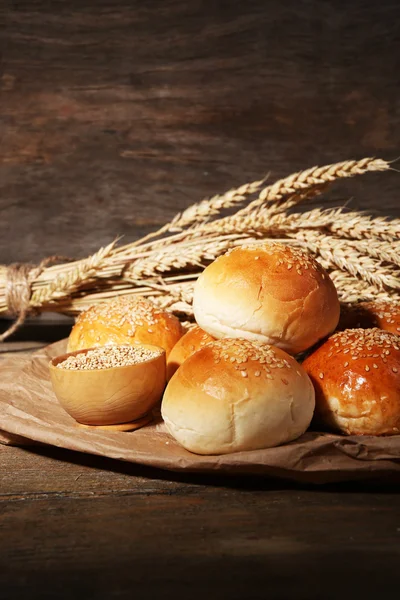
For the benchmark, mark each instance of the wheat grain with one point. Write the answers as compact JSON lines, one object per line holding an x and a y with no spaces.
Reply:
{"x":339,"y":253}
{"x":66,"y":283}
{"x":311,"y":180}
{"x":352,"y":289}
{"x":163,"y":266}
{"x":387,"y":252}
{"x":294,"y":188}
{"x":204,"y":210}
{"x":359,"y":226}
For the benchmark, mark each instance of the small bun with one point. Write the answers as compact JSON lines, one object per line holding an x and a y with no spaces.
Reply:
{"x":270,"y":293}
{"x":356,"y":375}
{"x":235,"y":395}
{"x":125,"y":320}
{"x":192,"y":341}
{"x":383,"y":314}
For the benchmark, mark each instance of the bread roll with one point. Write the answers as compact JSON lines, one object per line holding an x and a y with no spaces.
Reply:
{"x":356,"y":375}
{"x":237,"y":395}
{"x":125,"y":320}
{"x":383,"y":314}
{"x":270,"y":293}
{"x":192,"y":341}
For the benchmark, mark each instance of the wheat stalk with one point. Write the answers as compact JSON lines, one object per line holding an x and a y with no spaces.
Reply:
{"x":294,"y":189}
{"x":386,"y":252}
{"x":202,"y":211}
{"x":66,"y":283}
{"x":358,"y":251}
{"x":339,"y":253}
{"x":312,"y":179}
{"x":359,"y":226}
{"x":353,"y":289}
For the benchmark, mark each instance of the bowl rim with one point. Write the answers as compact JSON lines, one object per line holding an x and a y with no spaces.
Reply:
{"x":53,"y":363}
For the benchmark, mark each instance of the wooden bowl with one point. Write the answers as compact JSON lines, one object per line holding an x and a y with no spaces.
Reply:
{"x":118,"y":396}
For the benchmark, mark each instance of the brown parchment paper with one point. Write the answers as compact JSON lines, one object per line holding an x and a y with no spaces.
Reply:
{"x":29,"y":412}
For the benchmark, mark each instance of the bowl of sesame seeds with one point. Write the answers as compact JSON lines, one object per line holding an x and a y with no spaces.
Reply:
{"x":113,"y":386}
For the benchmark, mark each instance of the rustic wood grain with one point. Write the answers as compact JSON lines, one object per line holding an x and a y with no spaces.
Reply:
{"x":114,"y":115}
{"x":90,"y":529}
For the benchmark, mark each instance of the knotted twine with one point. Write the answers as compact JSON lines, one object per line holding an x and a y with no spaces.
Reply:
{"x":18,"y":290}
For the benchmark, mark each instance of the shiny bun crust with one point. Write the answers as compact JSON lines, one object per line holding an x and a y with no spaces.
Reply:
{"x":235,"y":395}
{"x":383,"y":314}
{"x":192,"y":341}
{"x":356,"y":375}
{"x":270,"y":293}
{"x":125,"y":320}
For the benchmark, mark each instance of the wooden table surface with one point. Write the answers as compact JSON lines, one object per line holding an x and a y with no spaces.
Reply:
{"x":75,"y":524}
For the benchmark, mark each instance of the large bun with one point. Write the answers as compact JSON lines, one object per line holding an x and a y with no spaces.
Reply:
{"x":270,"y":293}
{"x":192,"y":341}
{"x":125,"y":320}
{"x":356,"y":375}
{"x":383,"y":314}
{"x":235,"y":395}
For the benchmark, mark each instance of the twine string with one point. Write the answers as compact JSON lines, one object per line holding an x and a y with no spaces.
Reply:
{"x":18,"y":290}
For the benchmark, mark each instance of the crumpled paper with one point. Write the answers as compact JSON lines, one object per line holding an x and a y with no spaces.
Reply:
{"x":30,"y":412}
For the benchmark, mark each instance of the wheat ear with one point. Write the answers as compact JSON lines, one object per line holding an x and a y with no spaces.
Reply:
{"x":310,"y":180}
{"x":339,"y":253}
{"x":68,"y":282}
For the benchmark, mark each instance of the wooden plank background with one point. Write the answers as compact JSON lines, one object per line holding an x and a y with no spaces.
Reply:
{"x":116,"y":114}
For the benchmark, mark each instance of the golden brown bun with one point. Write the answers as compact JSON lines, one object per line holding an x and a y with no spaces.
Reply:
{"x":192,"y":341}
{"x":379,"y":313}
{"x":269,"y":293}
{"x":356,"y":375}
{"x":125,"y":320}
{"x":235,"y":395}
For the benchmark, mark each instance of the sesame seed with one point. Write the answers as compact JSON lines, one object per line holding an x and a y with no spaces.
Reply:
{"x":240,"y":351}
{"x":321,"y":376}
{"x":367,"y":368}
{"x":107,"y":357}
{"x":363,"y":343}
{"x":125,"y":311}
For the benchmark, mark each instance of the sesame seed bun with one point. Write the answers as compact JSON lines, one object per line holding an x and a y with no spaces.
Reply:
{"x":270,"y":293}
{"x":356,"y":375}
{"x":125,"y":320}
{"x":383,"y":314}
{"x":192,"y":341}
{"x":235,"y":395}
